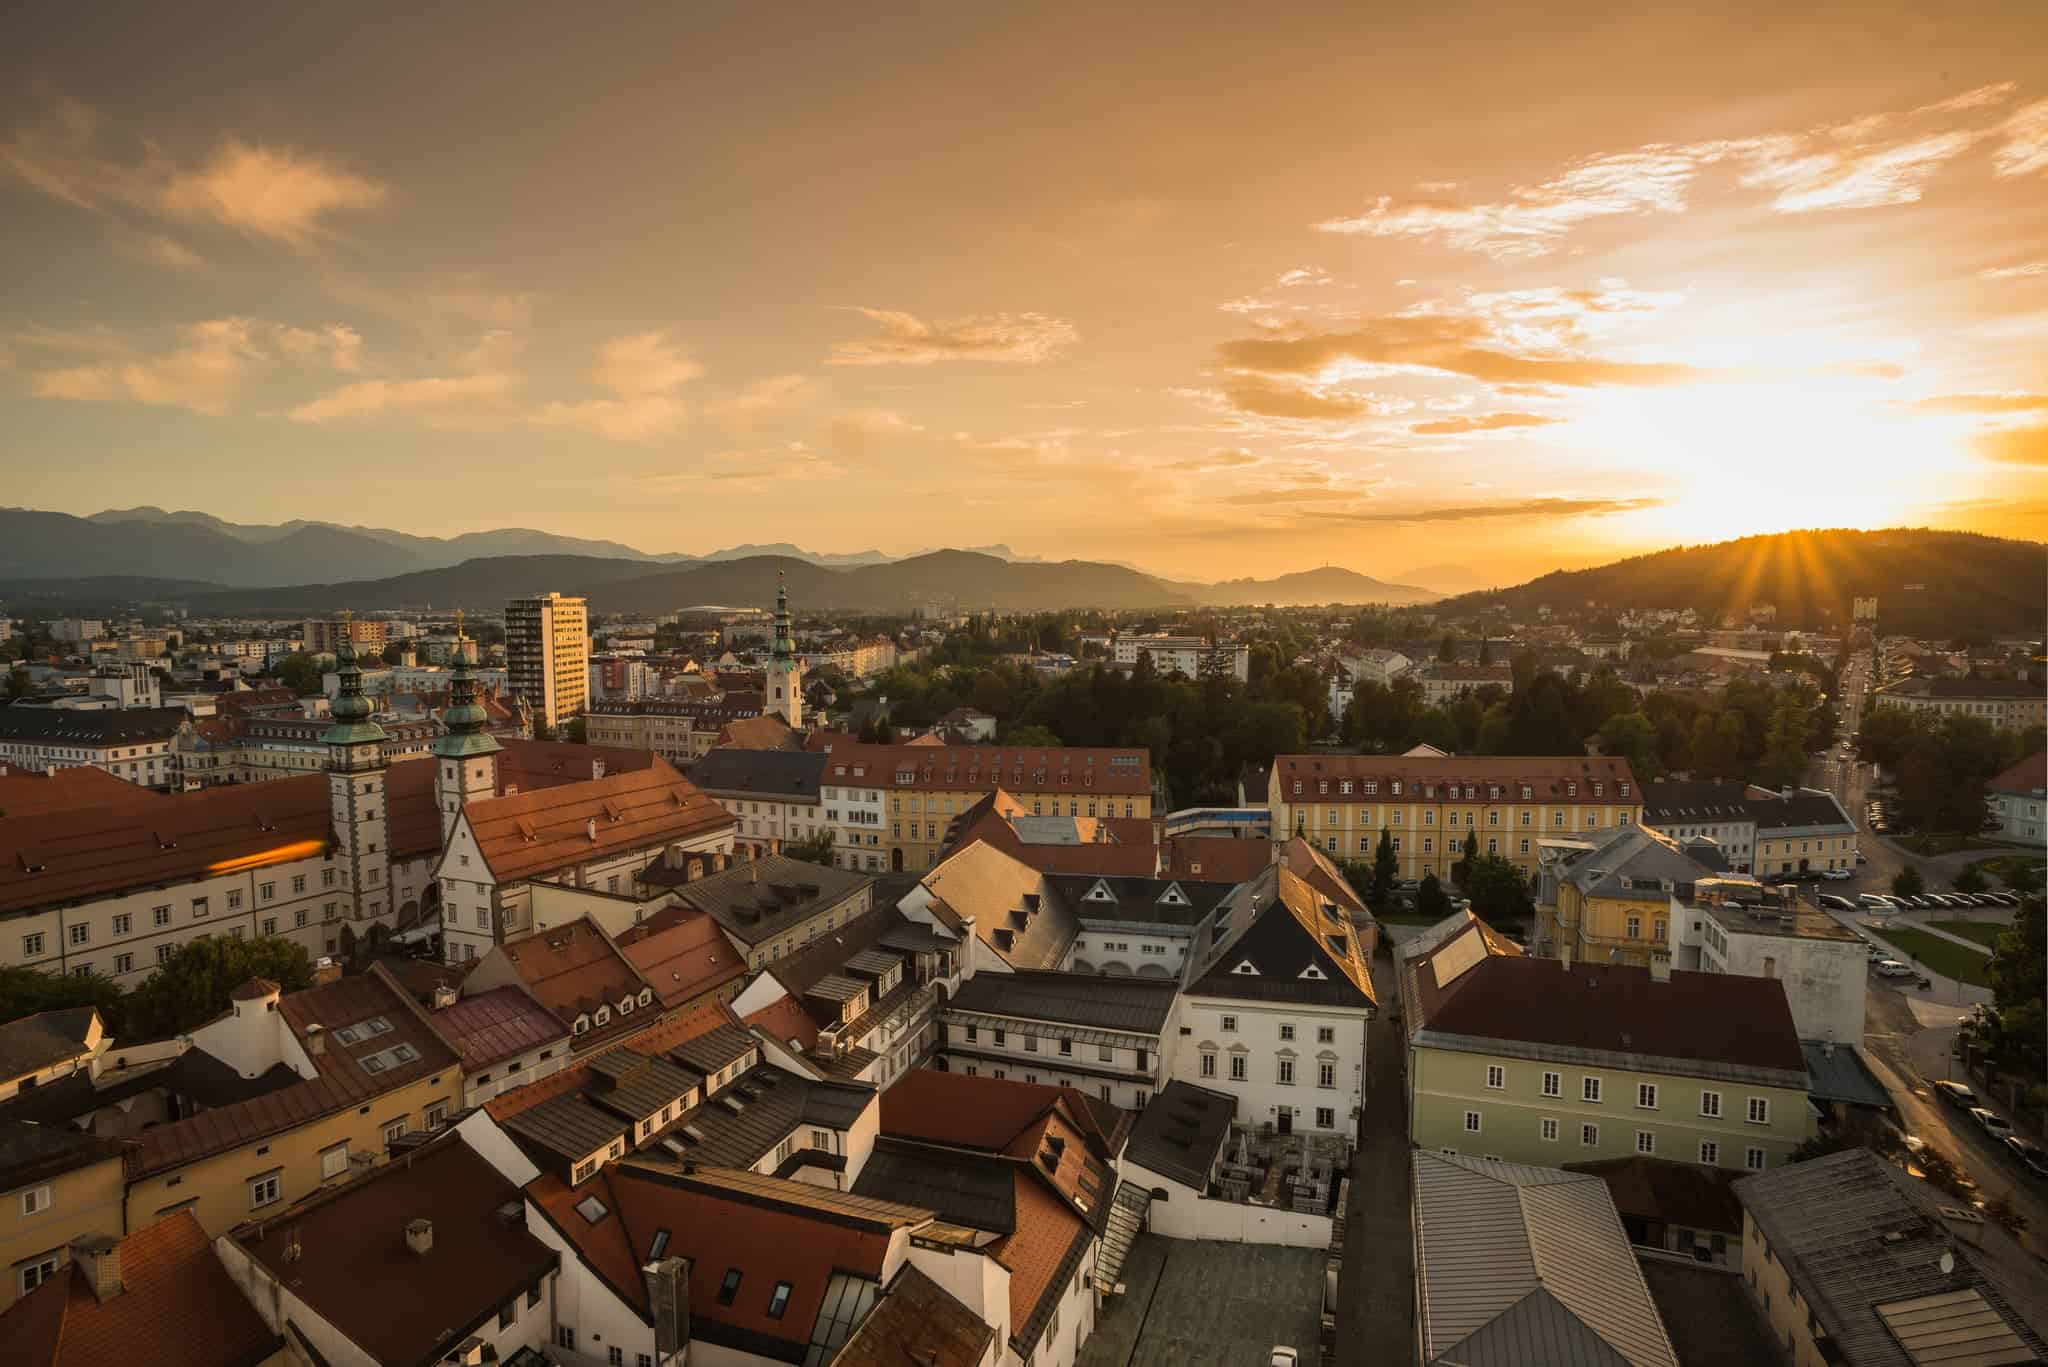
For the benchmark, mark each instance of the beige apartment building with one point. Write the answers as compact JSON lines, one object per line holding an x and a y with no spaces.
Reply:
{"x":324,"y":635}
{"x":56,"y":1184}
{"x":547,"y":655}
{"x":1428,"y":804}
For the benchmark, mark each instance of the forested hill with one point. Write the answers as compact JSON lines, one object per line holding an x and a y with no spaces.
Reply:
{"x":1931,"y":583}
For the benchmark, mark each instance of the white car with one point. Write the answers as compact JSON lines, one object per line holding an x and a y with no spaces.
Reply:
{"x":1836,"y":875}
{"x":1284,"y":1356}
{"x":1892,"y":968}
{"x":1991,"y":1122}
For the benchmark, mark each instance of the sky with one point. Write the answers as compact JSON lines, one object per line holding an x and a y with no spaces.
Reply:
{"x":1450,"y":295}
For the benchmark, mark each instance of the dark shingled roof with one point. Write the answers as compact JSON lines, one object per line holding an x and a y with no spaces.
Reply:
{"x":96,"y":726}
{"x":754,"y":902}
{"x":1164,"y":901}
{"x":1298,"y":945}
{"x":1182,"y":1131}
{"x":1675,"y":1193}
{"x":917,"y":1321}
{"x":788,"y":775}
{"x":964,"y":1188}
{"x":48,"y":1037}
{"x":29,"y":1152}
{"x":1140,"y":1005}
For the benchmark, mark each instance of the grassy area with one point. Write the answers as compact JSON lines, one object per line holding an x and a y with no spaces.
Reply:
{"x":2017,"y":871}
{"x":1937,"y":955}
{"x":1985,"y":933}
{"x":1946,"y":844}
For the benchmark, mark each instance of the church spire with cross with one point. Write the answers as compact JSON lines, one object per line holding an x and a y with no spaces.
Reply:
{"x":783,"y":681}
{"x":465,"y":755}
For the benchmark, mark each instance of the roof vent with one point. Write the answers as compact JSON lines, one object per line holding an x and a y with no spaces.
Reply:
{"x":419,"y":1236}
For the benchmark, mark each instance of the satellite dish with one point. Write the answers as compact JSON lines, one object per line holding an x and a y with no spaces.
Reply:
{"x":1947,"y":1262}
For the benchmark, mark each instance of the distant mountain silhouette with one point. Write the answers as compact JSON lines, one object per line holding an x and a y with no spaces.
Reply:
{"x":1327,"y":584}
{"x":1932,"y":583}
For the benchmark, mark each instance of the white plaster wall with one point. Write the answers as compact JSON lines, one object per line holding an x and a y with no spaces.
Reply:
{"x":1260,"y":1094}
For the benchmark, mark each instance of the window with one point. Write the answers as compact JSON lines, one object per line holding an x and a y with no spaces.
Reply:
{"x":615,"y":1356}
{"x":1496,"y":1076}
{"x":1237,"y":1068}
{"x":1635,"y":927}
{"x":778,"y":1300}
{"x":35,"y":1201}
{"x":1753,"y":1159}
{"x":234,"y":900}
{"x":1710,"y":1104}
{"x":1230,"y":1025}
{"x":1208,"y":1063}
{"x":1326,"y":1075}
{"x":164,"y":953}
{"x":81,"y":933}
{"x":1105,"y":1054}
{"x":1471,"y":1122}
{"x":1590,"y":1090}
{"x":298,"y":882}
{"x":1549,"y":1130}
{"x":270,"y":925}
{"x":1710,"y":1152}
{"x":266,"y":892}
{"x":37,"y":1271}
{"x":334,"y":1161}
{"x":972,"y":1034}
{"x":263,"y":1190}
{"x":1000,"y":1038}
{"x":1553,"y":1084}
{"x":1030,"y":1044}
{"x":1287,"y":1072}
{"x":508,"y":1314}
{"x":124,"y":963}
{"x":1759,"y":1110}
{"x":730,"y":1287}
{"x":1326,"y":1034}
{"x":1646,"y":1141}
{"x":124,"y":923}
{"x":1286,"y":1032}
{"x":393,"y":1132}
{"x":436,"y":1115}
{"x":565,"y":1337}
{"x":1589,"y":1135}
{"x":1326,"y":1118}
{"x":1646,"y":1095}
{"x":32,"y":945}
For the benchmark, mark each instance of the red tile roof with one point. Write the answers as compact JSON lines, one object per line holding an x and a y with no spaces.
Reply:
{"x":533,"y":834}
{"x":573,"y":970}
{"x":1215,"y":859}
{"x":684,"y":959}
{"x":343,"y":1079}
{"x":989,"y":1113}
{"x":495,"y":1025}
{"x":2029,"y":776}
{"x":177,"y":1308}
{"x":527,"y":766}
{"x":785,"y":1021}
{"x":1020,"y":769}
{"x":1047,"y":1231}
{"x":25,"y":792}
{"x":355,"y":1270}
{"x":1425,"y":778}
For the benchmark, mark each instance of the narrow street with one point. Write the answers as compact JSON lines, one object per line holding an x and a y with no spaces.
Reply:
{"x":1906,"y":1055}
{"x":1376,"y":1290}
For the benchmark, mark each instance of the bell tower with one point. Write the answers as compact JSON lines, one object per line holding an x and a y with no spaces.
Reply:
{"x":783,"y":686}
{"x":465,"y":755}
{"x":355,"y":788}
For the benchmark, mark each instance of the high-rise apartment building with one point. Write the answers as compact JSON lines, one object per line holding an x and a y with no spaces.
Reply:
{"x":323,"y":635}
{"x":547,"y":655}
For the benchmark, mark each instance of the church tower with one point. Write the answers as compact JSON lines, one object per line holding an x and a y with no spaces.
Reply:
{"x":355,"y":790}
{"x":784,"y":685}
{"x":466,"y":755}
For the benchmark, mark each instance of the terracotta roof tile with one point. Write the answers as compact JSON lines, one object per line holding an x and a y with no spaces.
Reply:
{"x":532,"y":834}
{"x":917,"y":1321}
{"x":684,"y":959}
{"x":574,"y":970}
{"x":27,"y":792}
{"x":177,"y":1308}
{"x":495,"y":1025}
{"x":1550,"y":777}
{"x":989,"y":1113}
{"x":1068,"y":770}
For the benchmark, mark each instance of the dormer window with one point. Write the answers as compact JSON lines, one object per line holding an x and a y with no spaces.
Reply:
{"x":1344,"y":787}
{"x":1527,"y":792}
{"x":1314,"y":973}
{"x":1624,"y":790}
{"x":1246,"y":968}
{"x":1571,"y":789}
{"x":646,"y":997}
{"x":582,"y":1024}
{"x":1371,"y":787}
{"x":603,"y":1017}
{"x":1396,"y":788}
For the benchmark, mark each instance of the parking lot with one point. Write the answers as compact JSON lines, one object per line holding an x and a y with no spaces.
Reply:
{"x":1207,"y":1304}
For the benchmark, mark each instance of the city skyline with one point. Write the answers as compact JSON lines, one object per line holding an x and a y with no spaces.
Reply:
{"x":1319,"y":288}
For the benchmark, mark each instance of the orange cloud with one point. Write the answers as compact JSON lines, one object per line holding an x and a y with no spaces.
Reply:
{"x":2015,"y":445}
{"x":1490,"y":422}
{"x":1453,"y":346}
{"x":908,"y":340}
{"x":1983,"y":403}
{"x":1284,"y":399}
{"x":1527,"y":508}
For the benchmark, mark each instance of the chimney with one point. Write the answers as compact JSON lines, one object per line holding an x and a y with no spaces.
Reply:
{"x":419,"y":1236}
{"x":325,"y":971}
{"x":316,"y":1040}
{"x":590,"y":829}
{"x":99,"y":1257}
{"x":1785,"y":793}
{"x":1564,"y":953}
{"x":1660,"y":966}
{"x":444,"y":996}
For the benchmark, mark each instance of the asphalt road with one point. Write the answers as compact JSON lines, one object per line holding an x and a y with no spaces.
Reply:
{"x":1906,"y":1055}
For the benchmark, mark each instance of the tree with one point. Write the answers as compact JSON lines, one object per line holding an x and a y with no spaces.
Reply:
{"x":192,"y":987}
{"x":1499,"y":891}
{"x":1466,"y":853}
{"x":18,"y":684}
{"x":1430,"y":898}
{"x":1034,"y":735}
{"x":25,"y":991}
{"x":2002,"y":1212}
{"x":577,"y":732}
{"x":299,"y":673}
{"x":1485,"y":651}
{"x":815,"y":849}
{"x":1386,"y":867}
{"x":1447,"y":652}
{"x":1908,"y":883}
{"x":1784,"y":762}
{"x":1971,"y":879}
{"x":394,"y":652}
{"x":2019,"y":975}
{"x":1630,"y":736}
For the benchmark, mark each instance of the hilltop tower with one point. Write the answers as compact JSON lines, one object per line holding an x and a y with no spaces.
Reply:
{"x":355,"y":790}
{"x":783,"y":688}
{"x":465,"y":755}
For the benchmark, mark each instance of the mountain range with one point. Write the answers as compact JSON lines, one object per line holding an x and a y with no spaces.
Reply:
{"x":147,"y":554}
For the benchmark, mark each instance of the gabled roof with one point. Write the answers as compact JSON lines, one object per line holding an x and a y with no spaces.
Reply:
{"x":90,"y":726}
{"x":1633,"y":862}
{"x":574,"y":970}
{"x":526,"y":766}
{"x":1086,"y":845}
{"x":1138,"y":1005}
{"x":760,"y":734}
{"x":1658,"y":1189}
{"x":495,"y":1025}
{"x":1181,"y":1133}
{"x":1215,"y":858}
{"x":758,"y":900}
{"x":963,"y":1187}
{"x":2028,"y":778}
{"x":989,"y":1113}
{"x":1313,"y":867}
{"x":774,"y":772}
{"x":1518,"y":1264}
{"x":344,"y":1253}
{"x":534,"y":833}
{"x":27,"y":792}
{"x":1164,"y":901}
{"x":177,"y":1308}
{"x":1284,"y":942}
{"x":686,"y":959}
{"x":1551,"y":778}
{"x":45,"y":1038}
{"x":1070,"y":771}
{"x":917,"y":1321}
{"x":1016,"y":912}
{"x":31,"y":1153}
{"x":1471,"y":991}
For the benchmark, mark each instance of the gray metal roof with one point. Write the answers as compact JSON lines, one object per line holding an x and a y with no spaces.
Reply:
{"x":1634,"y":861}
{"x":969,"y":1189}
{"x":567,"y":1126}
{"x":1519,"y":1265}
{"x":1139,"y":1005}
{"x":1837,"y":1073}
{"x":1180,"y":1133}
{"x":1854,"y":1233}
{"x":784,"y":775}
{"x":47,"y":1037}
{"x":754,"y":902}
{"x":713,"y":1049}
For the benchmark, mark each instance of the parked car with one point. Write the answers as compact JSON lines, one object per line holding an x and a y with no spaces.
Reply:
{"x":1991,"y":1122}
{"x":1874,"y":900}
{"x":1956,"y":1094}
{"x":1836,"y":875}
{"x":1284,"y":1356}
{"x":2032,"y":1156}
{"x":1892,"y":968}
{"x":1828,"y":899}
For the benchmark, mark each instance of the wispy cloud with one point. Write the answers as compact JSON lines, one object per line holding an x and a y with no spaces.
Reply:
{"x":770,"y":394}
{"x":2015,"y":445}
{"x":1491,"y":422}
{"x":1983,"y":403}
{"x":1280,"y":398}
{"x":904,"y":339}
{"x":1230,"y":458}
{"x":263,"y":191}
{"x":2024,"y":269}
{"x":1448,"y":345}
{"x":203,"y":371}
{"x":642,"y":370}
{"x":1524,"y":509}
{"x":1881,"y":159}
{"x":643,"y":363}
{"x":437,"y":398}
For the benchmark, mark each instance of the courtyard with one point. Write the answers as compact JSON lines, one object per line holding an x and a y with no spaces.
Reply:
{"x":1190,"y":1303}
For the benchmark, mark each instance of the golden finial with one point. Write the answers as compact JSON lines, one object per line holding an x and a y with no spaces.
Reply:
{"x":348,"y":616}
{"x":458,"y":624}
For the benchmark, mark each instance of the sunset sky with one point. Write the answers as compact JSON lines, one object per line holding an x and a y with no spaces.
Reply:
{"x":1446,"y":294}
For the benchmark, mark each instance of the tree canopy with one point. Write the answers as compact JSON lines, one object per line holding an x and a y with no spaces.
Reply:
{"x":192,"y":987}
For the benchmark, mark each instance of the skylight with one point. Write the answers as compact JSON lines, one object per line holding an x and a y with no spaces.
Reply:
{"x":592,"y":1209}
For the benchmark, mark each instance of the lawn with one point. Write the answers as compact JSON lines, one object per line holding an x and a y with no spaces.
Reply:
{"x":2020,"y":872}
{"x":1985,"y":933}
{"x":1937,"y":955}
